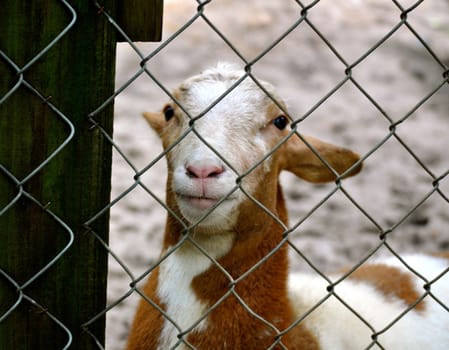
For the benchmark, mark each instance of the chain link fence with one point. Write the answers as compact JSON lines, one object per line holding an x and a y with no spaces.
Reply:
{"x":372,"y":76}
{"x":13,"y":187}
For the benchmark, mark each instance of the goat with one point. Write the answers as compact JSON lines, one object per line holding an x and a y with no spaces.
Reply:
{"x":219,"y":175}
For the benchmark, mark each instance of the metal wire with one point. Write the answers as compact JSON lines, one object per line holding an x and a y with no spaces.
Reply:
{"x":303,"y":20}
{"x":21,"y":289}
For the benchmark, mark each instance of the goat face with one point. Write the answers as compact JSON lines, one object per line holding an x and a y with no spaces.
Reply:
{"x":220,"y":154}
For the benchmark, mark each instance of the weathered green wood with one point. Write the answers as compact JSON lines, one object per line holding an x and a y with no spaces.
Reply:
{"x":77,"y":75}
{"x":140,"y":19}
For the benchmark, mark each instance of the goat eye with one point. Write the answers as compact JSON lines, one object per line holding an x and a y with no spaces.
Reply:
{"x":169,"y":112}
{"x":280,"y":122}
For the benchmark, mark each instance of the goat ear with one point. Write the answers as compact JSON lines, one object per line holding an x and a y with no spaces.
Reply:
{"x":299,"y":159}
{"x":156,"y":120}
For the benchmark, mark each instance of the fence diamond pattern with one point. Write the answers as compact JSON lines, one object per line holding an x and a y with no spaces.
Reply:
{"x":140,"y":176}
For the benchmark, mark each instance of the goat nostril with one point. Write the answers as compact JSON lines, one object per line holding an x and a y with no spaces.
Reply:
{"x":215,"y":173}
{"x":190,"y":172}
{"x":203,"y":172}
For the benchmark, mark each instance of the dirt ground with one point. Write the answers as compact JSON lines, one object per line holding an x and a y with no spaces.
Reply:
{"x":397,"y":76}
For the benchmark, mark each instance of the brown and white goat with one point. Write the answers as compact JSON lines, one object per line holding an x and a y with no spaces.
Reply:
{"x":212,"y":193}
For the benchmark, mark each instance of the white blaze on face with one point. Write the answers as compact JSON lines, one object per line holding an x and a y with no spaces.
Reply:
{"x":236,"y":137}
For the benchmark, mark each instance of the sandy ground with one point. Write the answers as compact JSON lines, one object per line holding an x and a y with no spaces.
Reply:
{"x":397,"y":76}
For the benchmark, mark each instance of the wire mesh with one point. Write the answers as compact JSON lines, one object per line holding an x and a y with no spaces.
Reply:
{"x":20,"y":183}
{"x":140,"y":175}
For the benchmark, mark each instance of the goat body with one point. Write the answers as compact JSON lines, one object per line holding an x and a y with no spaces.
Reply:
{"x":223,"y":282}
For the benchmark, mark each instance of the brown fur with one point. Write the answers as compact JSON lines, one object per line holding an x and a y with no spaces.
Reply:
{"x":444,"y":255}
{"x":148,"y":320}
{"x":252,"y":243}
{"x":310,"y":167}
{"x":267,"y":297}
{"x":230,"y":325}
{"x":391,"y":281}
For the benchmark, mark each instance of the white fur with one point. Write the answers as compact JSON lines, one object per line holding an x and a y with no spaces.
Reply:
{"x":336,"y":327}
{"x":234,"y":128}
{"x":174,"y":286}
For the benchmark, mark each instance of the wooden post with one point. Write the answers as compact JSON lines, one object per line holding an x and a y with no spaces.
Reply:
{"x":72,"y":78}
{"x":141,"y":19}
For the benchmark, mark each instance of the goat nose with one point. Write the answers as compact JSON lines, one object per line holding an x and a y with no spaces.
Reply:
{"x":204,"y":171}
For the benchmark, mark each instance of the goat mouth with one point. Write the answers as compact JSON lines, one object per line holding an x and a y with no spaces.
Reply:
{"x":201,"y":203}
